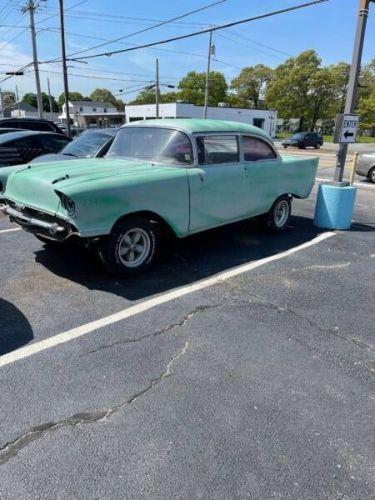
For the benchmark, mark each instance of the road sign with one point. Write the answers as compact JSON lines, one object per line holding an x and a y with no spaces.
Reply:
{"x":346,"y":128}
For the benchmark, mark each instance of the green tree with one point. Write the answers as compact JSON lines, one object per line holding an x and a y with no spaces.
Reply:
{"x":145,"y":96}
{"x":103,"y":95}
{"x":30,"y":98}
{"x":290,"y":89}
{"x":250,"y":85}
{"x":192,"y":88}
{"x":73,"y":96}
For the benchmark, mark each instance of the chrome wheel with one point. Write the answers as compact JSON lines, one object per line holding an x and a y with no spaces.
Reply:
{"x":134,"y":247}
{"x":372,"y":175}
{"x":281,"y":213}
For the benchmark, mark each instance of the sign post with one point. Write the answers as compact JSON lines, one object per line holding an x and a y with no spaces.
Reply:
{"x":353,"y":84}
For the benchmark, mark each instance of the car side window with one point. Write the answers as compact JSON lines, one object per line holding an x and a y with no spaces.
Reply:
{"x":23,"y":143}
{"x":213,"y":150}
{"x":256,"y":149}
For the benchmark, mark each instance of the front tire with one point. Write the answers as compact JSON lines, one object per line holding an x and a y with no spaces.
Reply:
{"x":317,"y":146}
{"x":278,"y":217}
{"x":131,"y":248}
{"x":371,"y":175}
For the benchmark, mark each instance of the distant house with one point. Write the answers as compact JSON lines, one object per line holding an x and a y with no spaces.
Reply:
{"x":24,"y":110}
{"x":84,"y":114}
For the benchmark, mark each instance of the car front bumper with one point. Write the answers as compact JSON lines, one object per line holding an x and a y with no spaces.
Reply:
{"x":38,"y":222}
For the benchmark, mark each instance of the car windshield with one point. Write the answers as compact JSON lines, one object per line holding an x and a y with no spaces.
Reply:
{"x":152,"y":144}
{"x":86,"y":145}
{"x":300,"y":135}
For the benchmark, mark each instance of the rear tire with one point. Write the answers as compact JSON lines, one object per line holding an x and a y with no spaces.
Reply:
{"x":317,"y":146}
{"x":278,"y":217}
{"x":371,"y":175}
{"x":131,"y":248}
{"x":301,"y":145}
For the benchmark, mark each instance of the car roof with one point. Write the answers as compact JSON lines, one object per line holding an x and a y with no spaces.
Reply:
{"x":107,"y":131}
{"x":23,"y":133}
{"x":197,"y":125}
{"x":31,"y":118}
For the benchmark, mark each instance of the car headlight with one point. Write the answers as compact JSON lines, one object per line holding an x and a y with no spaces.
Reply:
{"x":67,"y":203}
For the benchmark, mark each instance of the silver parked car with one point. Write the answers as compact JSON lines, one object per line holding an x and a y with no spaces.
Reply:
{"x":366,"y":165}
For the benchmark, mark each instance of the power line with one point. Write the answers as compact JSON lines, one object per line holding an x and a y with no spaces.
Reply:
{"x":197,"y":33}
{"x":248,"y":46}
{"x":162,"y":23}
{"x":255,"y":42}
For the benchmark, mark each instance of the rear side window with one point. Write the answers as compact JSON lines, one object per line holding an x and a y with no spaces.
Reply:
{"x":214,"y":150}
{"x":256,"y":149}
{"x":23,"y":142}
{"x":40,"y":126}
{"x":52,"y":142}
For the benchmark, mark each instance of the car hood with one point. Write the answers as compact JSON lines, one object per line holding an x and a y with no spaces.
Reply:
{"x":35,"y":185}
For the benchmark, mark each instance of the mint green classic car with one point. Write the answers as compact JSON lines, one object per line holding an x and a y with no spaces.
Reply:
{"x":180,"y":175}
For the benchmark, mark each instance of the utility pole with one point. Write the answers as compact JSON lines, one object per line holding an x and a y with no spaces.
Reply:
{"x":2,"y":103}
{"x":18,"y":102}
{"x":31,"y":7}
{"x":49,"y":97}
{"x":65,"y":71}
{"x":157,"y":90}
{"x":206,"y":90}
{"x":355,"y":69}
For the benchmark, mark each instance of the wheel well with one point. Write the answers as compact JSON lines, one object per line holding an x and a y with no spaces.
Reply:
{"x":151,"y":216}
{"x":370,"y":170}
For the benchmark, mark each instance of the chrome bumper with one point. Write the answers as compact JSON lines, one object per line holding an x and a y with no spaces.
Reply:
{"x":52,"y":227}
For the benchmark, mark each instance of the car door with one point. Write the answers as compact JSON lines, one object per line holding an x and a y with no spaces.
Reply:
{"x":218,"y":190}
{"x":263,"y":168}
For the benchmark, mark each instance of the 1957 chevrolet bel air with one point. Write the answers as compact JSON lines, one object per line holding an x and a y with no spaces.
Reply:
{"x":184,"y":175}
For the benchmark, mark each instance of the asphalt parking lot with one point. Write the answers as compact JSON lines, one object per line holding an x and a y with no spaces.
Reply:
{"x":241,"y":367}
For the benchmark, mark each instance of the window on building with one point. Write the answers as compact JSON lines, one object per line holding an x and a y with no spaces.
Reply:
{"x":213,"y":150}
{"x":94,"y":109}
{"x":104,"y":110}
{"x":81,"y":109}
{"x":258,"y":122}
{"x":256,"y":149}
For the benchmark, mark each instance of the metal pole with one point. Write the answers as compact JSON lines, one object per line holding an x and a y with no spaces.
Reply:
{"x":157,"y":90}
{"x":206,"y":90}
{"x":31,"y":8}
{"x":18,"y":102}
{"x":49,"y":97}
{"x":353,"y":82}
{"x":65,"y":72}
{"x":2,"y":103}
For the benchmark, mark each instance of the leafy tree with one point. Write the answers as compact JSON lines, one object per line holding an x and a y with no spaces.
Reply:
{"x":192,"y":88}
{"x":73,"y":96}
{"x":103,"y":95}
{"x":9,"y":98}
{"x":145,"y":96}
{"x":366,"y":100}
{"x":250,"y":85}
{"x":30,"y":98}
{"x":340,"y":74}
{"x":290,"y":89}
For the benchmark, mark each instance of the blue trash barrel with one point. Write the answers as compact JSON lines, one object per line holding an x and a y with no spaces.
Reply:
{"x":335,"y":205}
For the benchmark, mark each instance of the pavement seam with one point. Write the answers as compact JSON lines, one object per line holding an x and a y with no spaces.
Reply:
{"x":12,"y":448}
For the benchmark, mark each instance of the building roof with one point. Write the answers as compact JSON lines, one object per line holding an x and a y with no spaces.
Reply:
{"x":96,"y":104}
{"x":194,"y":125}
{"x":25,"y":107}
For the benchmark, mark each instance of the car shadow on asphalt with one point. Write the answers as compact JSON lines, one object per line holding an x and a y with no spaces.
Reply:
{"x":15,"y":330}
{"x":183,"y":261}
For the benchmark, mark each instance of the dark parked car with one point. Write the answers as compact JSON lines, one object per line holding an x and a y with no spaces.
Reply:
{"x":36,"y":124}
{"x":21,"y":147}
{"x":303,"y":140}
{"x":7,"y":130}
{"x":90,"y":144}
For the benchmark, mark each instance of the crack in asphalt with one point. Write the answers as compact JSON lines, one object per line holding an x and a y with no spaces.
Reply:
{"x":312,"y":323}
{"x":12,"y":448}
{"x":162,"y":331}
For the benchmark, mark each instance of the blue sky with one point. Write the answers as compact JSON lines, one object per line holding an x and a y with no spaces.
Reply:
{"x":328,"y":28}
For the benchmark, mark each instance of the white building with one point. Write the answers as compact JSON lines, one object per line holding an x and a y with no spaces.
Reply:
{"x":84,"y":114}
{"x":262,"y":118}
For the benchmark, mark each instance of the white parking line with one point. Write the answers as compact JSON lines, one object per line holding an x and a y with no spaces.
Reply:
{"x":80,"y":331}
{"x":10,"y":230}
